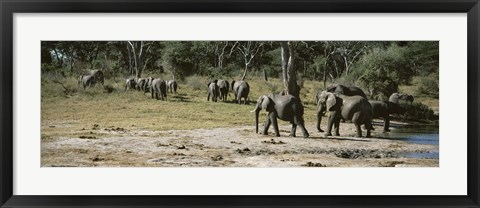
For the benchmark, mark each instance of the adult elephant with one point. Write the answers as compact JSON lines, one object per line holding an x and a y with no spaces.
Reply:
{"x":240,"y":89}
{"x":213,"y":91}
{"x":98,"y":76}
{"x":159,"y":89}
{"x":384,"y":109}
{"x":148,"y":84}
{"x":355,"y":108}
{"x":223,"y":87}
{"x":284,"y":107}
{"x":344,"y":90}
{"x":400,"y":98}
{"x":87,"y":81}
{"x":172,"y":86}
{"x":141,"y":84}
{"x":130,"y":84}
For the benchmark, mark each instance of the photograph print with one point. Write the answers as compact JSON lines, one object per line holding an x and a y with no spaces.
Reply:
{"x":240,"y":104}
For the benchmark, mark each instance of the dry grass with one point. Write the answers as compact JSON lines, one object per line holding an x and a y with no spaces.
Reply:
{"x":188,"y":109}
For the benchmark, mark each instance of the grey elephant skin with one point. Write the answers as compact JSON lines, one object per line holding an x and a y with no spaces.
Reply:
{"x":344,"y":90}
{"x":223,"y":87}
{"x":141,"y":83}
{"x":172,"y":86}
{"x":240,"y":89}
{"x":384,"y":109}
{"x":148,"y":84}
{"x":87,"y":81}
{"x":213,"y":91}
{"x":355,"y":108}
{"x":159,"y":89}
{"x":130,"y":84}
{"x":284,"y":107}
{"x":400,"y":98}
{"x":97,"y":76}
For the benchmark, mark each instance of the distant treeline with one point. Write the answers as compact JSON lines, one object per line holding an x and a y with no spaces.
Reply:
{"x":379,"y":67}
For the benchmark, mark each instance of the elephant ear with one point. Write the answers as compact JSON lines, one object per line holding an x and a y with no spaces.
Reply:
{"x":267,"y":103}
{"x":331,"y":101}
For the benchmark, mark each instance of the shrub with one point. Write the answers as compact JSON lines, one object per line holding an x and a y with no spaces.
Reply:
{"x":427,"y":85}
{"x":419,"y":111}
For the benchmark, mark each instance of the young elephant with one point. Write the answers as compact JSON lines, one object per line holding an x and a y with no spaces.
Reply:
{"x":159,"y":89}
{"x":241,"y":89}
{"x":223,"y":87}
{"x":213,"y":91}
{"x":130,"y":84}
{"x":355,"y":108}
{"x":88,"y":81}
{"x":284,"y":107}
{"x":172,"y":86}
{"x":384,"y":109}
{"x":141,"y":84}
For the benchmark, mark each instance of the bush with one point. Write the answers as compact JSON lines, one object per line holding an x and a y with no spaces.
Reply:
{"x":427,"y":85}
{"x":419,"y":111}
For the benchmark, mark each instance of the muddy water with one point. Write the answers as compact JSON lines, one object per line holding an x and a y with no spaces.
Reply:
{"x":418,"y":134}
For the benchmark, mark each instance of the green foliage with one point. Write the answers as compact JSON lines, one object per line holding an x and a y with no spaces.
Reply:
{"x":427,"y":85}
{"x":419,"y":111}
{"x":178,"y":58}
{"x":381,"y":71}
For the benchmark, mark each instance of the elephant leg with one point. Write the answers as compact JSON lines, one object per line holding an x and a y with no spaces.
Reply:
{"x":294,"y":129}
{"x":301,"y":123}
{"x":359,"y":130}
{"x":152,"y":93}
{"x":267,"y":125}
{"x":331,"y":119}
{"x":273,"y":117}
{"x":208,"y":97}
{"x":386,"y":123}
{"x":337,"y":127}
{"x":356,"y":121}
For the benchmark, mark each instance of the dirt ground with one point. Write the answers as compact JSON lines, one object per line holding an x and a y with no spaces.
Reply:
{"x":112,"y":146}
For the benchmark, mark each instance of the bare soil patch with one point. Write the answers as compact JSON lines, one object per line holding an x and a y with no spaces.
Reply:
{"x":112,"y":146}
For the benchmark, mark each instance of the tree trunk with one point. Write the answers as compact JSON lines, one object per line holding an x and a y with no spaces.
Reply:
{"x":265,"y":74}
{"x":245,"y":71}
{"x":289,"y":75}
{"x":285,"y":54}
{"x":130,"y":68}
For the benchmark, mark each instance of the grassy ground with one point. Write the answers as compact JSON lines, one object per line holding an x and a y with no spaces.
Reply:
{"x":188,"y":109}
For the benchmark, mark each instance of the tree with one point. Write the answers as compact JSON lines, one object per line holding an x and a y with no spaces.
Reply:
{"x":288,"y":70}
{"x":136,"y":48}
{"x":249,"y":49}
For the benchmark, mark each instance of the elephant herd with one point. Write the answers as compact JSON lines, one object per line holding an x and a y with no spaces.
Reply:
{"x":157,"y":87}
{"x":218,"y":89}
{"x":342,"y":103}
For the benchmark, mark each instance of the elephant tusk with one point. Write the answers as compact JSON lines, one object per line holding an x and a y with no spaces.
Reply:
{"x":252,"y":111}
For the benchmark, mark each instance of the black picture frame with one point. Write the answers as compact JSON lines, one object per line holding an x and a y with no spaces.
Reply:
{"x":9,"y":7}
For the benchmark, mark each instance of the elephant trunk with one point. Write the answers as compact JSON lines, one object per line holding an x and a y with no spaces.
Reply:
{"x":257,"y":112}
